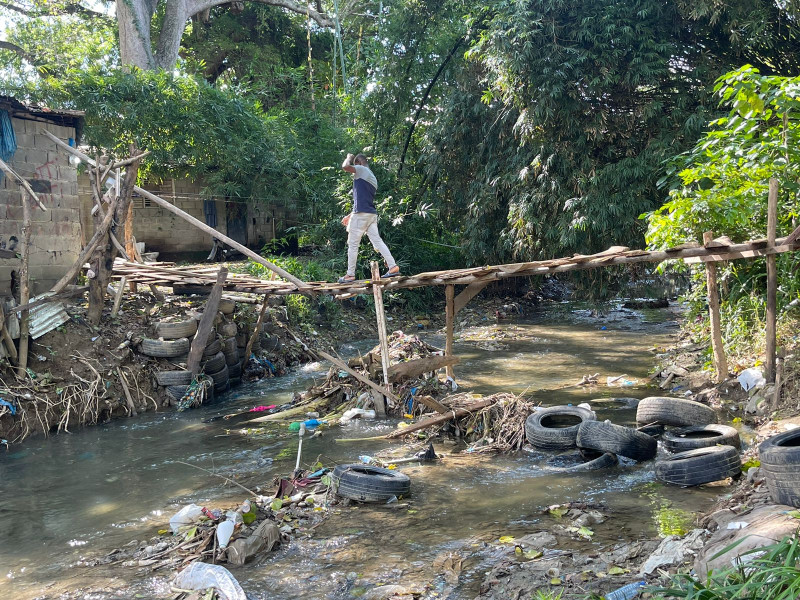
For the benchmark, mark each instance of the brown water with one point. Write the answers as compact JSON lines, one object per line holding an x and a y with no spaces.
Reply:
{"x":83,"y":494}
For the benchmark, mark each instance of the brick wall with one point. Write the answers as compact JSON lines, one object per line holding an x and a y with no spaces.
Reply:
{"x":56,"y":233}
{"x":159,"y":229}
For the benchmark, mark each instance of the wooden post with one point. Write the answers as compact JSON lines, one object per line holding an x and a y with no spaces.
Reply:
{"x":720,"y":360}
{"x":118,"y":296}
{"x":450,"y":315}
{"x":252,"y":339}
{"x":380,"y":315}
{"x":206,"y":323}
{"x":772,"y":283}
{"x":776,"y":395}
{"x":5,"y":337}
{"x":24,"y":285}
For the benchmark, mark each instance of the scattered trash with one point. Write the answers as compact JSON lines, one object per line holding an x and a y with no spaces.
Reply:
{"x":737,"y":525}
{"x":353,"y":413}
{"x":11,"y":408}
{"x":224,"y":533}
{"x":202,"y":576}
{"x":626,"y":592}
{"x":620,"y":381}
{"x":262,"y":408}
{"x":751,"y":378}
{"x":185,"y":516}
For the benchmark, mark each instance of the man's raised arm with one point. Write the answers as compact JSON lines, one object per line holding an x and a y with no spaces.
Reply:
{"x":347,"y":165}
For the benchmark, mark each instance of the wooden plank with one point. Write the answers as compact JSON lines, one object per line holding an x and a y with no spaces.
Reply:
{"x":118,"y":297}
{"x":380,"y":315}
{"x":206,"y":323}
{"x":6,"y":337}
{"x":358,"y":375}
{"x":187,"y":217}
{"x":451,"y":414}
{"x":253,"y":336}
{"x":450,"y":314}
{"x":772,"y":284}
{"x":414,"y":368}
{"x":743,"y":254}
{"x":433,"y":404}
{"x":720,"y":360}
{"x":467,"y":294}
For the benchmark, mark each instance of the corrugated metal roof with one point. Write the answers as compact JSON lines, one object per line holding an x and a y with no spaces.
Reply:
{"x":46,"y":317}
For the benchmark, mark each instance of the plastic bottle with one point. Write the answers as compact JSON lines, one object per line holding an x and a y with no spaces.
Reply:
{"x":224,"y":533}
{"x":310,"y":424}
{"x":626,"y":592}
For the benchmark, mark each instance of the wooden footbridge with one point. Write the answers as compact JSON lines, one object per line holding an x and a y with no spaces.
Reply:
{"x":712,"y":251}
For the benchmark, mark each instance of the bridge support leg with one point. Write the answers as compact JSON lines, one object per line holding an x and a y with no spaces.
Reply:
{"x":720,"y":360}
{"x":377,"y":291}
{"x":450,"y":314}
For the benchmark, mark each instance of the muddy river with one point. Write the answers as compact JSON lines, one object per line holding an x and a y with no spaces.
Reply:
{"x":85,"y":493}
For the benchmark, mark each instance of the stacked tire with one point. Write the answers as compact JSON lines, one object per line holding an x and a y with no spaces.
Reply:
{"x":701,"y":451}
{"x":220,"y":360}
{"x":780,"y":466}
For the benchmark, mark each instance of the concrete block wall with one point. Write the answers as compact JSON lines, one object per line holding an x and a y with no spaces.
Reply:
{"x":56,"y":233}
{"x":159,"y":229}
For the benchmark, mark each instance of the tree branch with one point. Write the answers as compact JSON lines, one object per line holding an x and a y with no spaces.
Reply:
{"x":74,"y":8}
{"x":422,"y":103}
{"x":19,"y":51}
{"x":196,"y":6}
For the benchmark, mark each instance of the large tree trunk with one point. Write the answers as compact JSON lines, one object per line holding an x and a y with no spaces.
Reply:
{"x":133,"y":18}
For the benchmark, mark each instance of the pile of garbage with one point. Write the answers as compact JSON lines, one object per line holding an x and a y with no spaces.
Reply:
{"x":199,"y":538}
{"x":342,"y":396}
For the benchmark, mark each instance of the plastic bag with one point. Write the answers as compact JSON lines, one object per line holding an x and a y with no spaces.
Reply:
{"x":750,"y":378}
{"x":185,"y":516}
{"x":201,"y":576}
{"x":352,"y":413}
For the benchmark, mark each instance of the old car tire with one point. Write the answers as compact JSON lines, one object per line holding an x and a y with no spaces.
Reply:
{"x":167,"y":378}
{"x":673,"y":411}
{"x":235,"y":370}
{"x":213,"y":347}
{"x":176,"y":330}
{"x":622,"y":441}
{"x":214,"y":364}
{"x":226,"y":307}
{"x":176,"y":392}
{"x":702,"y":465}
{"x":164,"y":348}
{"x":780,"y":465}
{"x":700,"y":436}
{"x":220,"y":378}
{"x":556,"y":428}
{"x":228,"y":330}
{"x":364,"y":483}
{"x":189,"y":289}
{"x":230,"y":350}
{"x":604,"y":461}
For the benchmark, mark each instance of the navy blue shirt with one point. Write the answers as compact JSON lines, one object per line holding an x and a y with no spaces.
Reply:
{"x":365,"y":184}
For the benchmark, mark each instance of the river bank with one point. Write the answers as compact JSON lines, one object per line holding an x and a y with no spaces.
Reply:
{"x":471,"y":527}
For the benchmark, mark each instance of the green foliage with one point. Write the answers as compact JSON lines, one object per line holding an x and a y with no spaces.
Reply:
{"x":721,"y":185}
{"x":771,"y":573}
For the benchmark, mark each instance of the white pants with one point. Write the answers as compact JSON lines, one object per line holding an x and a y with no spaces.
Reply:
{"x":361,"y":223}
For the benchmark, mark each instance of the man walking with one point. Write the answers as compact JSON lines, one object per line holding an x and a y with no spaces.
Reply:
{"x":364,"y":218}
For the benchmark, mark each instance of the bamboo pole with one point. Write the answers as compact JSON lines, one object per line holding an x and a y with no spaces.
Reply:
{"x":450,"y":313}
{"x":206,"y":323}
{"x":99,"y":234}
{"x":11,"y":349}
{"x":365,"y":380}
{"x":772,"y":283}
{"x":253,"y":336}
{"x":24,"y":289}
{"x":380,"y":315}
{"x":720,"y":360}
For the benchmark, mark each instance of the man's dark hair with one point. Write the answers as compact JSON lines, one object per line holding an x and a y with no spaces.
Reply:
{"x":360,"y":158}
